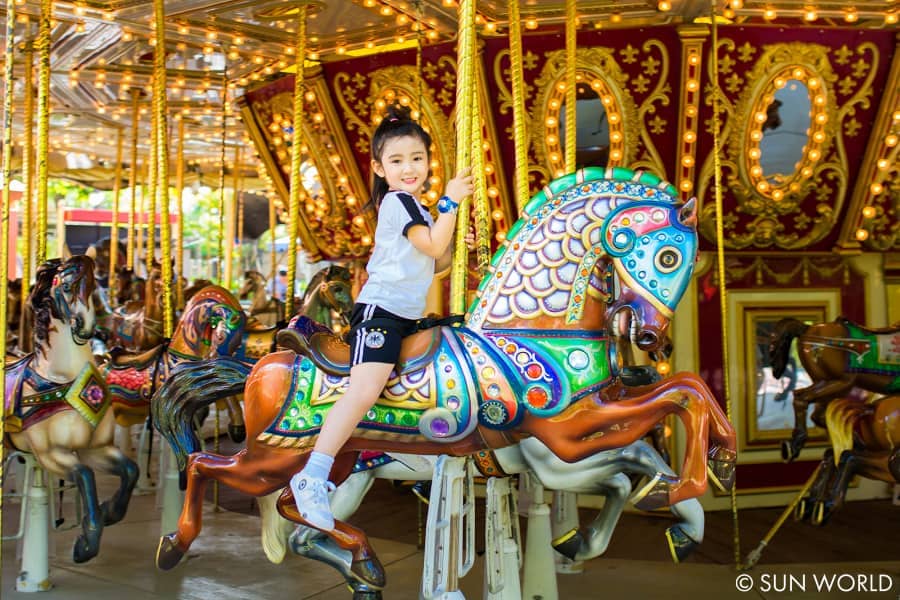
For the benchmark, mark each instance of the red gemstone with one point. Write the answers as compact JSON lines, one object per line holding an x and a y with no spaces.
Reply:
{"x":537,"y":397}
{"x":534,"y":370}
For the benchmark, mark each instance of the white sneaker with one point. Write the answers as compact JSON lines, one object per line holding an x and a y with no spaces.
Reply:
{"x":311,"y":498}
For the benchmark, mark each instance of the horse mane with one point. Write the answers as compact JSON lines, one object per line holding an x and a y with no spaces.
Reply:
{"x":780,"y":347}
{"x":40,"y":300}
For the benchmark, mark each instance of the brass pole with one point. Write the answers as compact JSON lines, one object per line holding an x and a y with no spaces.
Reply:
{"x":296,"y":159}
{"x":239,"y":200}
{"x":4,"y":211}
{"x":162,"y":163}
{"x":152,"y":184}
{"x":230,"y":210}
{"x":142,"y":212}
{"x":27,"y":201}
{"x":273,"y":222}
{"x":179,"y":227}
{"x":220,"y":252}
{"x":43,"y":127}
{"x":114,"y":228}
{"x":133,"y":175}
{"x":571,"y":90}
{"x":520,"y":128}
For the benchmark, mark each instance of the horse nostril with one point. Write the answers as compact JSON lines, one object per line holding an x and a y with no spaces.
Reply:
{"x":647,"y":340}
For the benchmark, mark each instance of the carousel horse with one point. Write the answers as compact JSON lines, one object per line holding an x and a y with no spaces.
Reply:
{"x":188,"y":291}
{"x":329,"y":290}
{"x":100,"y":252}
{"x":57,"y":400}
{"x":129,"y":287}
{"x":212,"y":324}
{"x":605,"y":473}
{"x":267,"y":310}
{"x":838,"y":356}
{"x":531,"y":359}
{"x":865,"y":440}
{"x":138,"y":326}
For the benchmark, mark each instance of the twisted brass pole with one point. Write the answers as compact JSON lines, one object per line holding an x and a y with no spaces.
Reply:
{"x":160,"y":104}
{"x":43,"y":127}
{"x":114,"y":227}
{"x":296,"y":161}
{"x":133,"y":176}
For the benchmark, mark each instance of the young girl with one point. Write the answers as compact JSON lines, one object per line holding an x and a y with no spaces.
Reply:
{"x":401,"y":269}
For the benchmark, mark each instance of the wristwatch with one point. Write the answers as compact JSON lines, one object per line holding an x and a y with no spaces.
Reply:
{"x":446,"y":204}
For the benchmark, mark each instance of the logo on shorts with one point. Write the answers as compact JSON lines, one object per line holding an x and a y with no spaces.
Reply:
{"x":374,"y":339}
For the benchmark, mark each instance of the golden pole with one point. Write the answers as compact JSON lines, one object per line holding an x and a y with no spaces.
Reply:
{"x":153,"y":183}
{"x":161,"y":139}
{"x":466,"y":78}
{"x":133,"y":176}
{"x":27,"y":201}
{"x":43,"y":127}
{"x":179,"y":226}
{"x":230,"y":208}
{"x":520,"y":128}
{"x":220,"y":252}
{"x":571,"y":91}
{"x":239,"y":198}
{"x":297,"y":141}
{"x":142,"y":211}
{"x":482,"y":209}
{"x":114,"y":228}
{"x":720,"y":255}
{"x":4,"y":211}
{"x":273,"y":222}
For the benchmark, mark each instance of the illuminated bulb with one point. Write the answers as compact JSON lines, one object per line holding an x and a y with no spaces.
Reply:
{"x":868,"y":212}
{"x":883,"y":163}
{"x":754,"y":153}
{"x":359,"y":221}
{"x":531,"y":23}
{"x":127,"y":36}
{"x":692,"y":85}
{"x":777,"y":195}
{"x":798,"y":73}
{"x":756,"y":171}
{"x":686,"y":185}
{"x":756,"y":135}
{"x":688,"y":161}
{"x":689,"y":137}
{"x":615,"y":155}
{"x":876,"y":189}
{"x":763,"y":186}
{"x":615,"y":18}
{"x":238,"y":40}
{"x":737,"y":4}
{"x":814,"y":155}
{"x":810,"y":14}
{"x":851,"y":16}
{"x":694,"y":59}
{"x":664,"y":5}
{"x":663,"y":368}
{"x":341,"y":50}
{"x":769,"y":14}
{"x":862,"y":235}
{"x":890,"y":141}
{"x":890,"y":18}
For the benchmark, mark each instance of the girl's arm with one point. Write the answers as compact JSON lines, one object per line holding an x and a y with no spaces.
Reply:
{"x":435,"y":241}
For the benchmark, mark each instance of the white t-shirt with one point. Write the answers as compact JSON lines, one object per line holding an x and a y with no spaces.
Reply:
{"x":399,"y":274}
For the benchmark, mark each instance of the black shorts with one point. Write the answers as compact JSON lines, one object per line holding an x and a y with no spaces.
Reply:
{"x":376,"y":334}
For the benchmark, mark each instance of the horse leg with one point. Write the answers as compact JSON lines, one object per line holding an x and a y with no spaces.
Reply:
{"x":236,"y":429}
{"x":819,"y":392}
{"x":846,"y":469}
{"x":894,"y":464}
{"x":111,"y":459}
{"x":804,"y":509}
{"x":88,"y":543}
{"x":253,"y":471}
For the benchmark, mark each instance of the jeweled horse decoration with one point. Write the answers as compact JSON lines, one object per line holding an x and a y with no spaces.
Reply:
{"x":212,"y":324}
{"x":531,"y":359}
{"x":865,"y":441}
{"x":58,"y":403}
{"x":266,"y":309}
{"x":329,"y":290}
{"x":838,"y":356}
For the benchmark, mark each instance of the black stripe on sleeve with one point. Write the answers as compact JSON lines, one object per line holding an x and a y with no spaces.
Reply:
{"x":412,"y":209}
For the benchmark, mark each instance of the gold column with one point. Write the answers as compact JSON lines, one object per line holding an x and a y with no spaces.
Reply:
{"x":220,"y":250}
{"x":482,"y":209}
{"x":161,"y":109}
{"x":28,"y":177}
{"x":571,"y":91}
{"x":520,"y":130}
{"x":239,"y":204}
{"x":114,"y":228}
{"x":43,"y":126}
{"x":297,"y":139}
{"x":273,"y":222}
{"x":230,"y":212}
{"x":465,"y":86}
{"x":133,"y":175}
{"x":179,"y":226}
{"x":4,"y":210}
{"x":152,"y":183}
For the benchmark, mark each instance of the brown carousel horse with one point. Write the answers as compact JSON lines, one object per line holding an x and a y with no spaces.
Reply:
{"x":195,"y":286}
{"x":57,"y":401}
{"x":838,"y":356}
{"x":137,"y":326}
{"x":266,"y":309}
{"x":531,"y":359}
{"x":865,"y":440}
{"x":329,"y":291}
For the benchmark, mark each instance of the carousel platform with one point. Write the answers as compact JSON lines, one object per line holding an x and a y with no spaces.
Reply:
{"x":226,"y":562}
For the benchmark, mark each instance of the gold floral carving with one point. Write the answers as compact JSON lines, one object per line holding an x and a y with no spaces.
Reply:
{"x":824,"y":164}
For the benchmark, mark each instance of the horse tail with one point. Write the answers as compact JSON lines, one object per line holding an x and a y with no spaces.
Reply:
{"x":780,"y":347}
{"x":275,"y":528}
{"x":190,"y":387}
{"x":841,"y":417}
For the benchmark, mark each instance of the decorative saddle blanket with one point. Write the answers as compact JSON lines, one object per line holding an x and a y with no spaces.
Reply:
{"x":874,"y":353}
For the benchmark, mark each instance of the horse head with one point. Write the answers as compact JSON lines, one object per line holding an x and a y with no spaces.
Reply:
{"x":211,"y":325}
{"x":63,"y":290}
{"x":335,"y":290}
{"x":254,"y":282}
{"x":653,"y":248}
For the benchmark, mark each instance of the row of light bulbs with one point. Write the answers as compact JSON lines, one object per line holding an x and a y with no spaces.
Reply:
{"x":809,"y":12}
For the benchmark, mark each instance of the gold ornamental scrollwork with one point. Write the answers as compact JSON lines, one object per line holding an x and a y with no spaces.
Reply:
{"x":797,"y":209}
{"x":598,"y":68}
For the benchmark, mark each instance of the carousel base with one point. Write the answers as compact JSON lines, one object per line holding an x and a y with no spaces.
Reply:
{"x":226,"y":562}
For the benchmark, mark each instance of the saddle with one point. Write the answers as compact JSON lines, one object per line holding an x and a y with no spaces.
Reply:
{"x":891,"y":330}
{"x":121,"y":359}
{"x":331,"y":354}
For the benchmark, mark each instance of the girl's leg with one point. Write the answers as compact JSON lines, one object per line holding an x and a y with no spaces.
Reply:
{"x":310,"y":486}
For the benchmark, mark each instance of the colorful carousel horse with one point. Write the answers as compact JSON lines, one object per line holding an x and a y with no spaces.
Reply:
{"x":838,"y":356}
{"x":531,"y":359}
{"x":58,"y":403}
{"x":329,"y":291}
{"x":137,"y":326}
{"x":212,"y":324}
{"x":865,"y":441}
{"x":266,"y":309}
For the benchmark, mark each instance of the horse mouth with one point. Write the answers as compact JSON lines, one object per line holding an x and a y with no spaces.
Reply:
{"x":81,"y":334}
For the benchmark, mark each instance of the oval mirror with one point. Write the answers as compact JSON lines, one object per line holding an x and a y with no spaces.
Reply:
{"x":785,"y":132}
{"x":592,"y":129}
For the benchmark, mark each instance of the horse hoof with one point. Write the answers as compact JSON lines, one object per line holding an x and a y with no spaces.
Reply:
{"x":368,"y":572}
{"x":422,"y":490}
{"x":362,"y":592}
{"x":803,"y":510}
{"x":788,"y":451}
{"x":569,"y":544}
{"x":681,"y":545}
{"x":720,"y":468}
{"x":237,"y":433}
{"x":85,"y":549}
{"x":168,"y":554}
{"x":821,"y":513}
{"x":655,"y":494}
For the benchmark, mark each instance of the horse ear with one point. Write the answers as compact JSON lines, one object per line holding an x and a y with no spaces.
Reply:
{"x":687,"y":215}
{"x":91,"y":252}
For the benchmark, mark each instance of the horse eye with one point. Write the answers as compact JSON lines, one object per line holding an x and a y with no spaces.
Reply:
{"x":668,"y":259}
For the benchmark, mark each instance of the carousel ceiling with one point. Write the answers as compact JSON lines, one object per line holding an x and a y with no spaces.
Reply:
{"x":216,"y":50}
